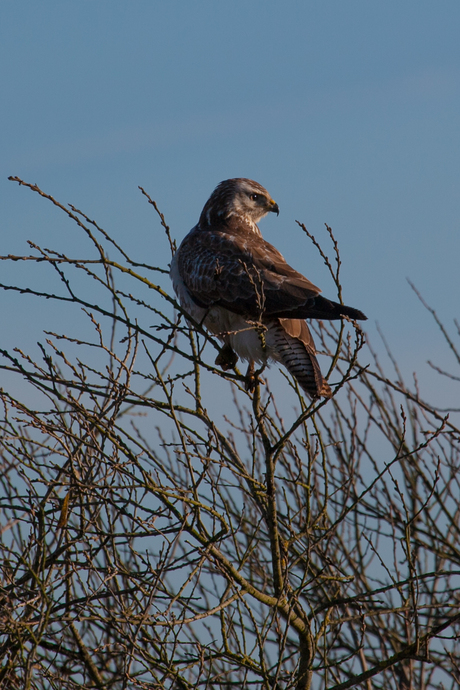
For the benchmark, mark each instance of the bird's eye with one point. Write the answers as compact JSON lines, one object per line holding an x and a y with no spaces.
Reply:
{"x":255,"y":197}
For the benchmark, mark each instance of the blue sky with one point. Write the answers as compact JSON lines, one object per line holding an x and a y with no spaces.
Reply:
{"x":348,"y":112}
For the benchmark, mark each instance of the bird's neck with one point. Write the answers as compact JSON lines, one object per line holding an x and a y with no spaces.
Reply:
{"x":232,"y":222}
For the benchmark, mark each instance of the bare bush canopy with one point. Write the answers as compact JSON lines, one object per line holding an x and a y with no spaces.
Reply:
{"x":151,"y":541}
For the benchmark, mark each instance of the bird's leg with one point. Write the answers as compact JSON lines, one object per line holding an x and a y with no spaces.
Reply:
{"x":251,"y":379}
{"x":227,"y":358}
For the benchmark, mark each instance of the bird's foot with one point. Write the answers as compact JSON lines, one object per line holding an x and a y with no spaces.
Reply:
{"x":227,"y":358}
{"x":250,"y":382}
{"x":252,"y":378}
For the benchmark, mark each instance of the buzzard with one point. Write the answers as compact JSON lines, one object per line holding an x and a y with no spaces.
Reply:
{"x":241,"y":288}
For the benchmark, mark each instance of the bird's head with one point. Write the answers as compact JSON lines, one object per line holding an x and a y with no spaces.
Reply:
{"x":237,"y":197}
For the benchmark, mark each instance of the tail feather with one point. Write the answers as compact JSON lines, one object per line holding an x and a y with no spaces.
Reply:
{"x":293,"y":346}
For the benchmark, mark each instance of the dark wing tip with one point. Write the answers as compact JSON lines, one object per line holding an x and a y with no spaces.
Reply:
{"x":352,"y":313}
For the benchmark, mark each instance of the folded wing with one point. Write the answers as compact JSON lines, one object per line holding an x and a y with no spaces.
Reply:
{"x":247,"y":275}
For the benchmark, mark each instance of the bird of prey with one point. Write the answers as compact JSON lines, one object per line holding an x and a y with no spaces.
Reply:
{"x":240,"y":287}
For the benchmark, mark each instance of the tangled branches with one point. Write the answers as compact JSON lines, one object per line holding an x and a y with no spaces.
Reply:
{"x":150,"y":541}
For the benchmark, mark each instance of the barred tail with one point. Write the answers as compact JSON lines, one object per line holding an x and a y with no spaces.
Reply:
{"x":292,"y":345}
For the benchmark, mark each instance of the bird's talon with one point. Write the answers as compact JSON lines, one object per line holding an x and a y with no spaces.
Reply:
{"x":250,"y":378}
{"x":250,"y":384}
{"x":226,"y":359}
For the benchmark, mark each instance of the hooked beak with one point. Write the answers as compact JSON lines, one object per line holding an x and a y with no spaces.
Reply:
{"x":274,"y":208}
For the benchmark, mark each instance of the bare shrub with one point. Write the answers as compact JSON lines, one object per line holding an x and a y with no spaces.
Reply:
{"x":149,"y":541}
